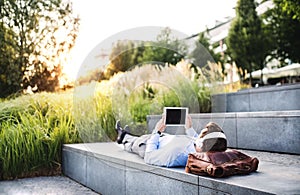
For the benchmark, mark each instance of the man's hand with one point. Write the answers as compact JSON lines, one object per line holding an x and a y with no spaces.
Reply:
{"x":188,"y":123}
{"x":160,"y":125}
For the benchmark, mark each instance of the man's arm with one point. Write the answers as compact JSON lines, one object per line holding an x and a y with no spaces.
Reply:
{"x":152,"y":154}
{"x":153,"y":142}
{"x":189,"y":130}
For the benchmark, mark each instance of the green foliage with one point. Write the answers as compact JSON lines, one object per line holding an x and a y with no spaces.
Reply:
{"x":32,"y":131}
{"x":10,"y":71}
{"x":291,"y":7}
{"x":166,"y":49}
{"x":94,"y":118}
{"x":41,"y":34}
{"x":246,"y":39}
{"x":204,"y":97}
{"x":125,"y":55}
{"x":203,"y":53}
{"x":141,"y":103}
{"x":283,"y":27}
{"x":170,"y":99}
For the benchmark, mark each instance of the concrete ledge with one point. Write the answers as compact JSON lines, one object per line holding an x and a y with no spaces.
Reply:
{"x":270,"y":98}
{"x":274,"y":131}
{"x":108,"y":169}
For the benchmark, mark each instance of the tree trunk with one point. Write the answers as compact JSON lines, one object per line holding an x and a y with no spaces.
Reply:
{"x":250,"y":71}
{"x":261,"y":77}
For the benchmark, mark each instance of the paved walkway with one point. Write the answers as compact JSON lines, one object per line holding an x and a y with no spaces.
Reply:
{"x":55,"y":185}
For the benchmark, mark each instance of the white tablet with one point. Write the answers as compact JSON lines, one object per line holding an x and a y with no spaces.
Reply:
{"x":175,"y":116}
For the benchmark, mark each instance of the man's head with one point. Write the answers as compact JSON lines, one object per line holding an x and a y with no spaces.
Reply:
{"x":212,"y":138}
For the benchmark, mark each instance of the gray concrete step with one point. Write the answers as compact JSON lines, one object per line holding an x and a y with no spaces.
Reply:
{"x":273,"y":131}
{"x":269,"y":98}
{"x":108,"y":169}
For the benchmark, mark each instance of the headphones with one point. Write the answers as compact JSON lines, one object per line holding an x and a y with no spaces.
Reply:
{"x":199,"y":141}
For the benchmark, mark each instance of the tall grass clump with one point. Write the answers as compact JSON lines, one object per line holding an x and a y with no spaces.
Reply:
{"x":93,"y":115}
{"x":32,"y":131}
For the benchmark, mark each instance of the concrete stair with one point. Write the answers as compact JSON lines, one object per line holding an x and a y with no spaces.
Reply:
{"x":273,"y":131}
{"x":269,"y":98}
{"x":108,"y":169}
{"x":263,"y":122}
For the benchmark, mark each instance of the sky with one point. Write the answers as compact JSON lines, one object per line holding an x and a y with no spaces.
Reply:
{"x":101,"y":19}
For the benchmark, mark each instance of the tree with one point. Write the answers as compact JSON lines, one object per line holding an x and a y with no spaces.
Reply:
{"x":127,"y":54}
{"x":246,"y":40}
{"x":123,"y":56}
{"x":166,"y":49}
{"x":203,"y":52}
{"x":45,"y":32}
{"x":283,"y":24}
{"x":10,"y":73}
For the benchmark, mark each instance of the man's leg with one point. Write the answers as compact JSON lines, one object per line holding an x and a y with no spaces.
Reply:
{"x":128,"y":141}
{"x":139,"y":146}
{"x":136,"y":144}
{"x":132,"y":143}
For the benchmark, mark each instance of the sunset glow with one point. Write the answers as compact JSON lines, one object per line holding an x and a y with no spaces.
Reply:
{"x":101,"y":19}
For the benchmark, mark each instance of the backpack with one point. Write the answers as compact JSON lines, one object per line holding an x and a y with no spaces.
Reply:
{"x":220,"y":164}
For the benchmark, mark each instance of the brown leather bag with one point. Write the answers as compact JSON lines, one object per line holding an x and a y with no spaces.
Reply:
{"x":221,"y":164}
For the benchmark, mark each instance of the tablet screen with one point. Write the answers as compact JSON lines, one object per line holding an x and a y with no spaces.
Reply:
{"x":175,"y":115}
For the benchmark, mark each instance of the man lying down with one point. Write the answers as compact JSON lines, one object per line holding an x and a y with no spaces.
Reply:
{"x":166,"y":150}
